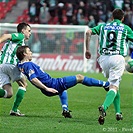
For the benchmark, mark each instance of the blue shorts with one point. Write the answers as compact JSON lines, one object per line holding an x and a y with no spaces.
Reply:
{"x":61,"y":84}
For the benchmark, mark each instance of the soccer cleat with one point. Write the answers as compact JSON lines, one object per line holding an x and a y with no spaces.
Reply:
{"x":18,"y":113}
{"x":106,"y":86}
{"x":66,"y":113}
{"x":119,"y":116}
{"x":102,"y":115}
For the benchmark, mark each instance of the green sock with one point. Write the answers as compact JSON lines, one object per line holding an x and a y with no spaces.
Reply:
{"x":19,"y":97}
{"x":2,"y":93}
{"x":109,"y":99}
{"x":117,"y":102}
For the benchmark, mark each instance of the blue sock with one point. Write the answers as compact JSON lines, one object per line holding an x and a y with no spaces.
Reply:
{"x":64,"y":100}
{"x":94,"y":82}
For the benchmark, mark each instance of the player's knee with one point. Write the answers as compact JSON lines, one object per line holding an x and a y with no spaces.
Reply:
{"x":79,"y":78}
{"x":8,"y":90}
{"x":9,"y":95}
{"x":113,"y":87}
{"x":22,"y":83}
{"x":25,"y":84}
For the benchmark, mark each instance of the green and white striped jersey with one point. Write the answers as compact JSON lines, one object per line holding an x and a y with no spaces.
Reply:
{"x":113,"y":37}
{"x":8,"y":52}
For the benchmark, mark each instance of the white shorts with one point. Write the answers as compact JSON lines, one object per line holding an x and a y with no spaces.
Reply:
{"x":113,"y":67}
{"x":8,"y":73}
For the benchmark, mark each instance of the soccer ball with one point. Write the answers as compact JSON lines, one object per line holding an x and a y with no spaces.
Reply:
{"x":129,"y":66}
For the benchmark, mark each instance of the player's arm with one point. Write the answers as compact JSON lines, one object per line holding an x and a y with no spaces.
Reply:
{"x":5,"y":37}
{"x":87,"y":41}
{"x":92,"y":31}
{"x":38,"y":83}
{"x":129,"y":34}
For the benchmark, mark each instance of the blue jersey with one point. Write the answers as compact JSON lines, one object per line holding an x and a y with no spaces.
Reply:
{"x":31,"y":70}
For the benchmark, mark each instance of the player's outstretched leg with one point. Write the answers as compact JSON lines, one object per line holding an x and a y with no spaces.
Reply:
{"x":94,"y":82}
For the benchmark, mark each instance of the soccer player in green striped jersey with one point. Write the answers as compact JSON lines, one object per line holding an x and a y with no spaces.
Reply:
{"x":113,"y":37}
{"x":8,"y":68}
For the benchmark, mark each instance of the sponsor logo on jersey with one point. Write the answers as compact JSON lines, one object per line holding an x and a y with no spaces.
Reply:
{"x":114,"y":27}
{"x":31,"y":72}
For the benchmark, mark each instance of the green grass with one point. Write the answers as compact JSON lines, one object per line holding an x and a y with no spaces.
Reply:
{"x":43,"y":114}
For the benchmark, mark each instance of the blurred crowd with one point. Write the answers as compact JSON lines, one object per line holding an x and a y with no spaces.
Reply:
{"x":77,"y":12}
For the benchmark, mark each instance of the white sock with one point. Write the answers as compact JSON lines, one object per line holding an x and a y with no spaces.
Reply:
{"x":21,"y":88}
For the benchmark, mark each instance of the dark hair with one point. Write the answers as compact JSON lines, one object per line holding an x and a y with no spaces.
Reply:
{"x":22,"y":26}
{"x":20,"y":52}
{"x":118,"y":14}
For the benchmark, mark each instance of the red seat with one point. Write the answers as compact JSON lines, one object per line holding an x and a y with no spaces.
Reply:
{"x":9,"y":7}
{"x":26,"y":18}
{"x":6,"y":7}
{"x":3,"y":12}
{"x":13,"y":2}
{"x":2,"y":15}
{"x":2,"y":4}
{"x":23,"y":18}
{"x":64,"y":20}
{"x":20,"y":19}
{"x":53,"y":20}
{"x":25,"y":11}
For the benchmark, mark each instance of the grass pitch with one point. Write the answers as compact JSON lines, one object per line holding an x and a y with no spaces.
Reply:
{"x":43,"y":114}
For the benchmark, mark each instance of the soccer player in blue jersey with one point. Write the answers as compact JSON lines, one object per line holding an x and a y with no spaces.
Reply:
{"x":48,"y":85}
{"x":113,"y":38}
{"x":9,"y":71}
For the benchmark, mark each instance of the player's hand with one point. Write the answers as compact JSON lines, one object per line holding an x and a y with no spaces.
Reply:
{"x":52,"y":90}
{"x":87,"y":54}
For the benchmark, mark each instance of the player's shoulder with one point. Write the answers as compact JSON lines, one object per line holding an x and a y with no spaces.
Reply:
{"x":28,"y":63}
{"x":99,"y":26}
{"x":127,"y":27}
{"x":25,"y":64}
{"x":17,"y":35}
